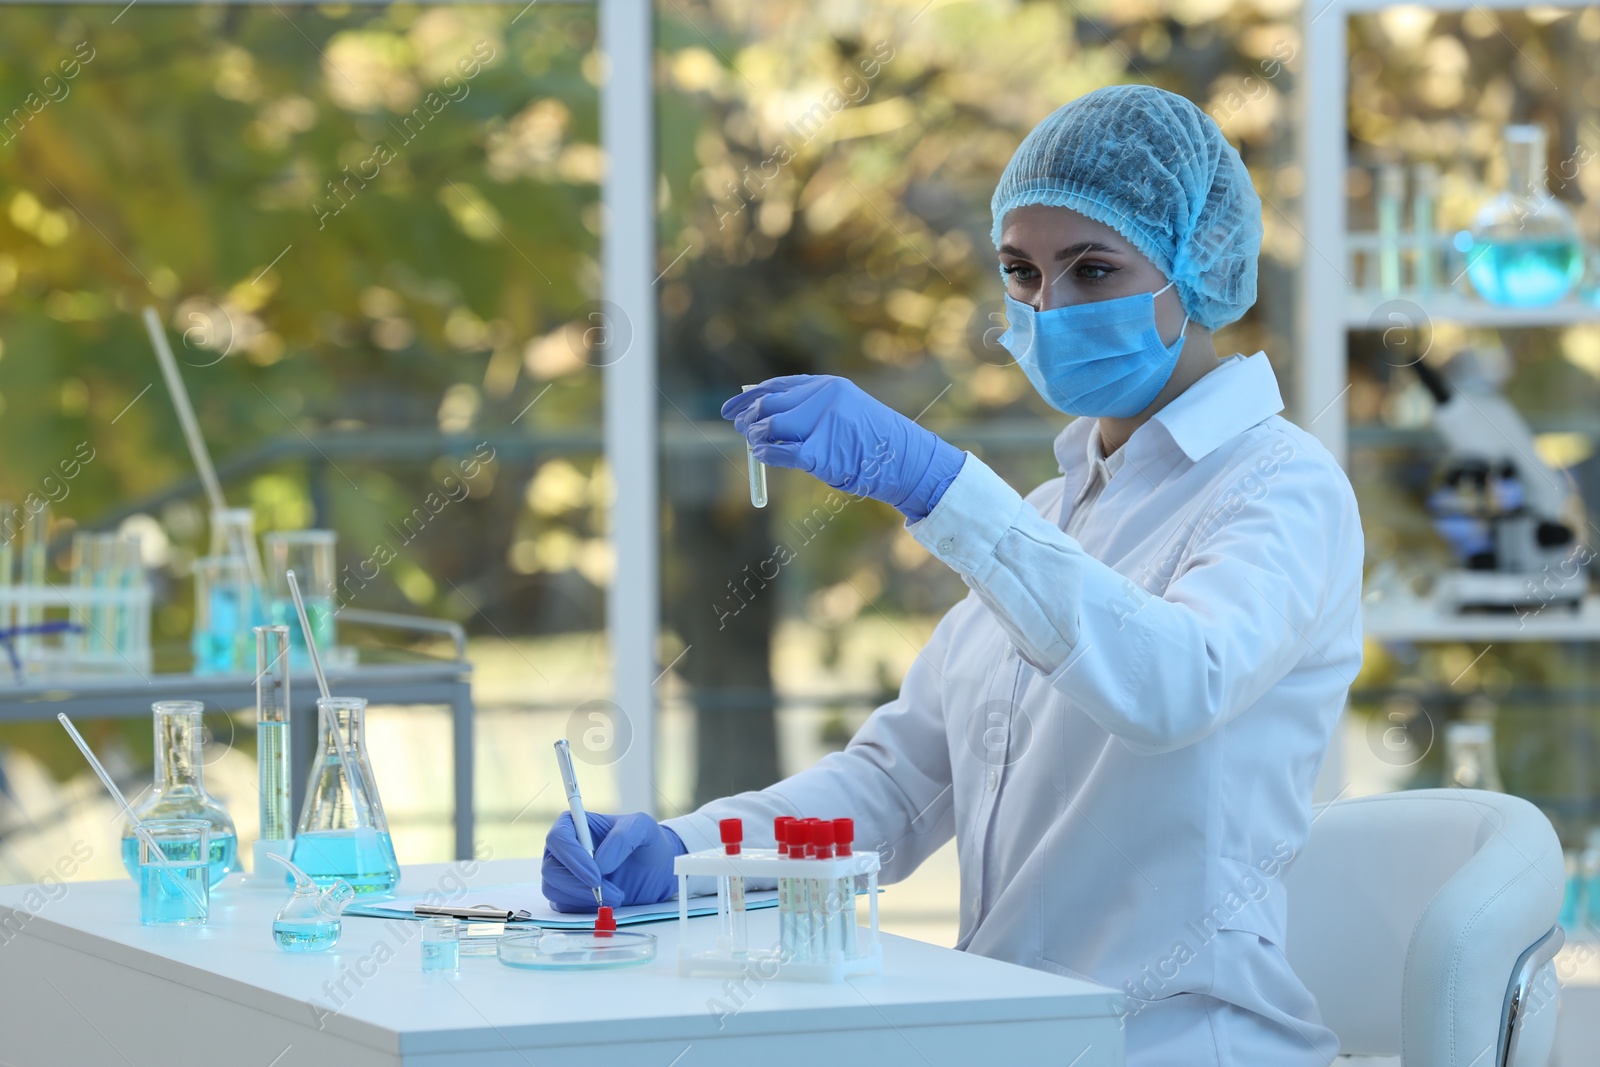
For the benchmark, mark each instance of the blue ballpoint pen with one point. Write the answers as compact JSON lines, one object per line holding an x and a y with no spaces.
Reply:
{"x":580,"y":820}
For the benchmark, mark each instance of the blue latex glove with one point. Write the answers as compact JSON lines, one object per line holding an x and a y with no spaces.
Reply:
{"x":632,"y":862}
{"x":828,"y":427}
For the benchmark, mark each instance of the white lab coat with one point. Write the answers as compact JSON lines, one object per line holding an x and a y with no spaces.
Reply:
{"x":1122,"y":729}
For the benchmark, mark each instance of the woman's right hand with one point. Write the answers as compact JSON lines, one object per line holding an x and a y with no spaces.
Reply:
{"x":632,"y":862}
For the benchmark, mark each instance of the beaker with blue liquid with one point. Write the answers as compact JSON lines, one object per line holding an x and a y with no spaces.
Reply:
{"x":441,"y":946}
{"x":1524,"y":249}
{"x":228,"y":595}
{"x":343,"y":832}
{"x":224,"y":603}
{"x":179,"y":791}
{"x":174,"y":888}
{"x":310,"y":555}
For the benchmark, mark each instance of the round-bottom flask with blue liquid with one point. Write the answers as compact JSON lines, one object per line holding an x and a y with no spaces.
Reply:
{"x":1524,"y":249}
{"x":179,"y":791}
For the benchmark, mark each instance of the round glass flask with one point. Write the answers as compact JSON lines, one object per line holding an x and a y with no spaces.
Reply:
{"x":179,"y":790}
{"x":1525,"y":249}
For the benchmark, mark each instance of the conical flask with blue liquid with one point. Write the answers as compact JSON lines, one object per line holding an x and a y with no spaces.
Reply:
{"x":343,"y":833}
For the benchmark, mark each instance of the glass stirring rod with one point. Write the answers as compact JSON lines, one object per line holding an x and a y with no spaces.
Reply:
{"x":758,"y":470}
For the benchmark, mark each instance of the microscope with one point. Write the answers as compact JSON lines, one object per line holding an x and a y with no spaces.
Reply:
{"x":1503,"y":510}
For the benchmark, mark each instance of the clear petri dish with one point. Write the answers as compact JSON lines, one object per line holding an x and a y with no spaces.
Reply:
{"x":480,"y":938}
{"x":576,"y":950}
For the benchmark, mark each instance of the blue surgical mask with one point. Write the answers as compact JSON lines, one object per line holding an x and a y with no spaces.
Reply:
{"x":1101,"y":358}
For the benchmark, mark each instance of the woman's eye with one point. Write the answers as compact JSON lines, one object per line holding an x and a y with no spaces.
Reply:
{"x":1018,"y":272}
{"x":1093,"y":272}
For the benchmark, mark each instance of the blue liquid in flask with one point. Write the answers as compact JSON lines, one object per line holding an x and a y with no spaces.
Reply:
{"x":323,"y":620}
{"x":306,"y":936}
{"x":1524,"y":273}
{"x":224,"y":853}
{"x":217,"y":648}
{"x":364,"y":858}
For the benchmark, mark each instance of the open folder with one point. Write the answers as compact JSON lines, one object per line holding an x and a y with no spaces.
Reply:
{"x":529,"y":898}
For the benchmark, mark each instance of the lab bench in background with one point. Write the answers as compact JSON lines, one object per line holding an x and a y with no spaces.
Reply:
{"x":402,"y":678}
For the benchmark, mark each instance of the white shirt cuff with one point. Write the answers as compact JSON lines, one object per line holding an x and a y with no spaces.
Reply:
{"x":698,"y":833}
{"x":976,"y":511}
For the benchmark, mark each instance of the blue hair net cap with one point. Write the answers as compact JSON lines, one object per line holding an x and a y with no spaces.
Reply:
{"x":1155,"y":168}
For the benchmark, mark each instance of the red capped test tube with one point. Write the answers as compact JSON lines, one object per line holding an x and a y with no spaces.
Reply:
{"x":844,"y":834}
{"x":730,"y":890}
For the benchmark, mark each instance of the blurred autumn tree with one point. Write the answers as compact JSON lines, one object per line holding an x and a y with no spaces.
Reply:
{"x":187,"y":165}
{"x":369,"y":226}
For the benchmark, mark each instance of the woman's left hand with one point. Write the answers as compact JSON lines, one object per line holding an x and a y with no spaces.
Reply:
{"x":829,"y":427}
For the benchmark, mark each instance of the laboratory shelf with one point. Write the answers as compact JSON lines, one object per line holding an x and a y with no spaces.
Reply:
{"x":1377,"y":435}
{"x":1414,"y":619}
{"x":1366,"y":310}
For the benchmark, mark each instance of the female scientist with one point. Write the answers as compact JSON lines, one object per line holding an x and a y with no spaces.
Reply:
{"x":1122,"y":723}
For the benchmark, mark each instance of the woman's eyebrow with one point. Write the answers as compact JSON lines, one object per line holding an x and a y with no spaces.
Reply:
{"x":1070,"y":252}
{"x":1085,"y":246}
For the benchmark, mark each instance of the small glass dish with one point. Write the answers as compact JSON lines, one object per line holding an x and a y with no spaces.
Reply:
{"x":576,"y":950}
{"x":479,"y":938}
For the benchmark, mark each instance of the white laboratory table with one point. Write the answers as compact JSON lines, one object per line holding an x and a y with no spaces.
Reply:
{"x":82,"y":984}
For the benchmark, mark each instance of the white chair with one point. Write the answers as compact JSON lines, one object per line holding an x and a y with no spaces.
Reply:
{"x":1424,"y":922}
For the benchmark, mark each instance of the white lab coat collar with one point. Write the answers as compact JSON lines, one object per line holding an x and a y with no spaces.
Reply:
{"x":1241,"y":392}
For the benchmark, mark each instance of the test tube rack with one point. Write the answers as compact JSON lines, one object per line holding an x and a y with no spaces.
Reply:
{"x":826,"y":962}
{"x":109,"y":630}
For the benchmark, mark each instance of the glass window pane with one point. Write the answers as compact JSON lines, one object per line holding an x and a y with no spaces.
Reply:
{"x":371,"y":232}
{"x":826,"y":184}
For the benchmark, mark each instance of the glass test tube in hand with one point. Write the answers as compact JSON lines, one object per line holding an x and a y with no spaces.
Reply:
{"x":758,"y":470}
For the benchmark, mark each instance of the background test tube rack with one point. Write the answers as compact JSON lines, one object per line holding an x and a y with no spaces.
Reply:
{"x":111,"y":632}
{"x":697,"y":956}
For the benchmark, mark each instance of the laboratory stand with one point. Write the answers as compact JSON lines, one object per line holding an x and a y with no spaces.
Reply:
{"x":89,"y":980}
